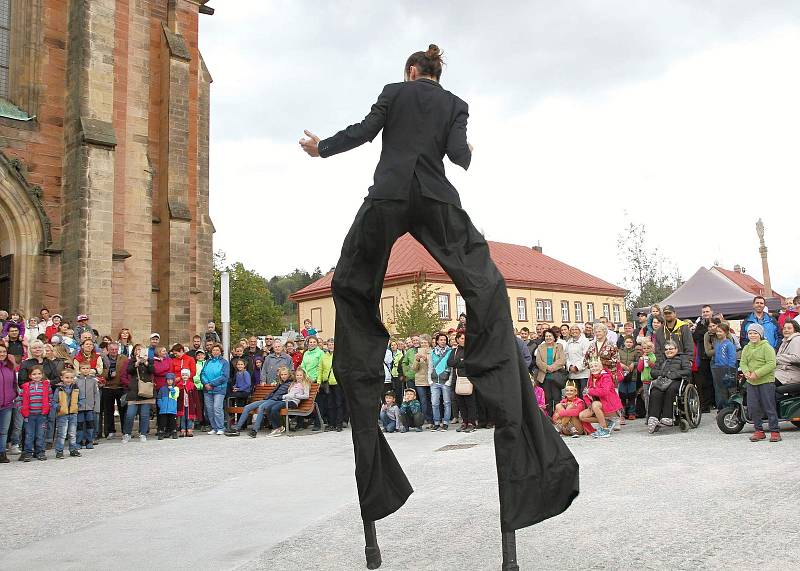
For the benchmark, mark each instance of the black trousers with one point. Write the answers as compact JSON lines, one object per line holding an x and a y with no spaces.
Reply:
{"x":335,"y":406}
{"x":704,"y":381}
{"x":466,"y":404}
{"x":166,"y":423}
{"x":537,"y":474}
{"x":109,"y":397}
{"x":660,"y":403}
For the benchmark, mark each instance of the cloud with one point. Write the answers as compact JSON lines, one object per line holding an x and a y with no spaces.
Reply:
{"x":681,"y":114}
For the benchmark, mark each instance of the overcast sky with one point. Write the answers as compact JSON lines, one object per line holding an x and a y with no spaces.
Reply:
{"x":682,"y":115}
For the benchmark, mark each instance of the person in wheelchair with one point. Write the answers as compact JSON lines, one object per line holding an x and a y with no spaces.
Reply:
{"x":667,"y":375}
{"x":787,"y":372}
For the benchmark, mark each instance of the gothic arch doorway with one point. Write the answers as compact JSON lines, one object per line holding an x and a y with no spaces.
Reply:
{"x":24,"y":234}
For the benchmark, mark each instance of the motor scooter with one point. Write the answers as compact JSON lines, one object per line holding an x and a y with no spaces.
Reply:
{"x":732,"y":418}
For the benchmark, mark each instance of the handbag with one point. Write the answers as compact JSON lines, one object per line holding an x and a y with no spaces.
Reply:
{"x":559,"y":378}
{"x":463,"y":386}
{"x":144,"y":388}
{"x":661,"y":383}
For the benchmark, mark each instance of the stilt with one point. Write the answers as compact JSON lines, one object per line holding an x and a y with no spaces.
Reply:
{"x":510,"y":551}
{"x":371,"y":550}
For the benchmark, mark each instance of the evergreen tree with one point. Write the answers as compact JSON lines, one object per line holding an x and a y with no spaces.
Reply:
{"x":419,"y":312}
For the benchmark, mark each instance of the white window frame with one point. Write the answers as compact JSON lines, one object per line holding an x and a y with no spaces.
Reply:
{"x":578,"y":312}
{"x":548,"y":310}
{"x":444,"y":308}
{"x":617,"y":315}
{"x":590,"y":312}
{"x":461,"y":305}
{"x":607,"y":310}
{"x":564,"y":311}
{"x":522,"y":309}
{"x":539,"y":310}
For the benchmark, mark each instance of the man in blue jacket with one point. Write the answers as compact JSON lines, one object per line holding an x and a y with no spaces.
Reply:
{"x":764,"y":319}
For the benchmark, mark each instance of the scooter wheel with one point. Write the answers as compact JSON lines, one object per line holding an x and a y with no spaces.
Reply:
{"x":684,"y":425}
{"x":729,"y":420}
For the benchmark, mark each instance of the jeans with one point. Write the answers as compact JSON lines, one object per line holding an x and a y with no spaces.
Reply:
{"x":110,"y":397}
{"x":214,"y":411}
{"x":389,"y":425}
{"x":440,"y":391}
{"x":424,"y":397}
{"x":144,"y":418}
{"x":34,"y":430}
{"x":245,"y":416}
{"x":86,"y":427}
{"x":722,"y":394}
{"x":16,"y":427}
{"x":761,"y":401}
{"x":5,"y":423}
{"x":273,"y":408}
{"x":186,"y":423}
{"x":627,"y":393}
{"x":66,"y":427}
{"x":51,"y":423}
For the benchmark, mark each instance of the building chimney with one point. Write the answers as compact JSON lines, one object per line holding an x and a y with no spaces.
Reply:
{"x":737,"y":268}
{"x":537,"y":247}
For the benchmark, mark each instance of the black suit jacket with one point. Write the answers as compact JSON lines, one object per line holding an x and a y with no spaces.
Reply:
{"x":421,"y":122}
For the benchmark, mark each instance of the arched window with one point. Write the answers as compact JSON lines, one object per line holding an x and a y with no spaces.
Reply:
{"x":5,"y":45}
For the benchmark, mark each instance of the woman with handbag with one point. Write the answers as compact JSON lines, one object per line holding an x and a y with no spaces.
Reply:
{"x":667,"y":375}
{"x":140,"y":396}
{"x":550,"y":362}
{"x":440,"y":375}
{"x":465,"y":394}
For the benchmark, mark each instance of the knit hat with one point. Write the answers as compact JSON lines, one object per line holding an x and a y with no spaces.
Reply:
{"x":170,"y":376}
{"x":187,"y":371}
{"x":758,"y":328}
{"x":413,"y":390}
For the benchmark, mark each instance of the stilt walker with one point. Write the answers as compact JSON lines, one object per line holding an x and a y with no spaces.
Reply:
{"x":421,"y":123}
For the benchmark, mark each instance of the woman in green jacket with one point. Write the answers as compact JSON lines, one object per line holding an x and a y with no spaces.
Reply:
{"x":758,"y":365}
{"x":335,"y":396}
{"x":312,"y":358}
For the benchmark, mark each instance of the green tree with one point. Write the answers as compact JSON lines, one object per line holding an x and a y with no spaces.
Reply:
{"x":282,"y":287}
{"x":419,"y":312}
{"x":649,"y":275}
{"x":253,"y":310}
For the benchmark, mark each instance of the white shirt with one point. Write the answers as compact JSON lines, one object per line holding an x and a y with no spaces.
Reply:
{"x":576,"y":351}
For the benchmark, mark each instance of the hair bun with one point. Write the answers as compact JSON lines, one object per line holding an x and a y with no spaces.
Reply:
{"x":433,"y":52}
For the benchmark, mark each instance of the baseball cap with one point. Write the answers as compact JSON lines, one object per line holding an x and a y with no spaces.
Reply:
{"x":641,"y":313}
{"x":155,"y":336}
{"x":82,"y":317}
{"x":669,"y":308}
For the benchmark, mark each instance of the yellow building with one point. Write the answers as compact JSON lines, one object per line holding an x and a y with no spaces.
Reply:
{"x":540,"y":289}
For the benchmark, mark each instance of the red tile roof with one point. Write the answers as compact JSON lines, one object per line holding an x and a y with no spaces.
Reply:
{"x":745,"y":281}
{"x":521,"y":266}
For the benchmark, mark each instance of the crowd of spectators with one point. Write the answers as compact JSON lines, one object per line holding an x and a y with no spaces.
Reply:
{"x":64,"y":386}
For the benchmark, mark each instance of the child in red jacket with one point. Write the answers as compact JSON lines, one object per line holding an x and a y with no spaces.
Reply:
{"x":602,"y":400}
{"x":35,"y":408}
{"x":566,"y":415}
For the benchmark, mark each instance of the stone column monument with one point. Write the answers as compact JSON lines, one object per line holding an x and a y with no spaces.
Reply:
{"x":764,"y":263}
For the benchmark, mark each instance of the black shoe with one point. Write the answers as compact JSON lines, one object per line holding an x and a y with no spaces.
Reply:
{"x":316,"y":429}
{"x":3,"y":458}
{"x":338,"y":429}
{"x":60,"y":455}
{"x":41,"y":456}
{"x":74,"y":453}
{"x":252,"y":433}
{"x":160,"y":437}
{"x":174,"y":435}
{"x":231,"y":432}
{"x":24,"y":457}
{"x":444,"y":426}
{"x":435,"y":427}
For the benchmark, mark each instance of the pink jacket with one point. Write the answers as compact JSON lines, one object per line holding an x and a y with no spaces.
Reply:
{"x":539,"y":392}
{"x":602,"y":387}
{"x":574,"y":411}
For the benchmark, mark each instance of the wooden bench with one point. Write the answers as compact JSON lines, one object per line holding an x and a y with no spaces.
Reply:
{"x":260,"y":392}
{"x":305,"y":408}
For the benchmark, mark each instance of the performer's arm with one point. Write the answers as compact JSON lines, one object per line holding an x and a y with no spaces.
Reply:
{"x":458,"y":150}
{"x":354,"y":135}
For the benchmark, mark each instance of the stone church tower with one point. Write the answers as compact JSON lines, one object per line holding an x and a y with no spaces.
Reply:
{"x":104,"y":145}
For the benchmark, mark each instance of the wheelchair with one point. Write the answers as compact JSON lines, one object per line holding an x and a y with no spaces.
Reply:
{"x":686,"y":412}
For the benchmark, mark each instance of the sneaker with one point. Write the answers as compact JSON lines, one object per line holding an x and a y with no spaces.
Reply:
{"x":41,"y":456}
{"x":316,"y":429}
{"x":126,"y":438}
{"x":613,"y":424}
{"x":252,"y":433}
{"x":142,"y":438}
{"x":60,"y":455}
{"x":90,"y":446}
{"x":404,"y":430}
{"x":160,"y":437}
{"x":278,"y":431}
{"x":338,"y":429}
{"x":462,"y":427}
{"x":667,"y":422}
{"x":418,"y":429}
{"x":222,"y":432}
{"x":775,"y":437}
{"x":758,"y":435}
{"x":74,"y":453}
{"x":14,"y":449}
{"x":602,"y":433}
{"x":652,"y":424}
{"x":111,"y":435}
{"x":435,"y":427}
{"x":631,"y":417}
{"x":576,"y":435}
{"x":174,"y":436}
{"x":444,"y":426}
{"x":230,"y":432}
{"x":4,"y":458}
{"x":24,"y":457}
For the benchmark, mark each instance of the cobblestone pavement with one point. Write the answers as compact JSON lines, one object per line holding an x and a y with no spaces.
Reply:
{"x":686,"y":501}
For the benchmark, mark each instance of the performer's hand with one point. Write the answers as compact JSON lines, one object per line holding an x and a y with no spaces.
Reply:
{"x":471,"y":148}
{"x":310,"y":145}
